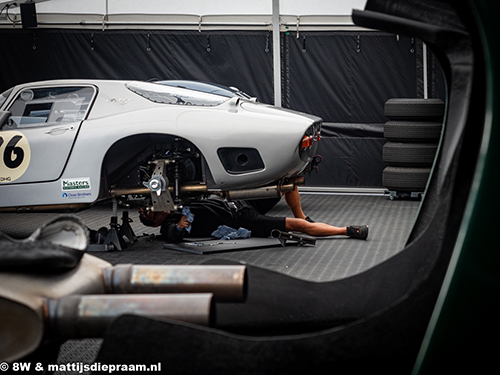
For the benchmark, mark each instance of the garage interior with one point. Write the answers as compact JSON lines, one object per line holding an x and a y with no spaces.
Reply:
{"x":328,"y":260}
{"x":340,"y":71}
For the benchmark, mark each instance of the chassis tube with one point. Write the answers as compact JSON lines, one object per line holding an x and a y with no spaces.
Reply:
{"x":142,"y":190}
{"x":273,"y":191}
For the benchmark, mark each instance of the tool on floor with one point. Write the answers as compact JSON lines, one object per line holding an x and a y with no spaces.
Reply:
{"x":301,"y":240}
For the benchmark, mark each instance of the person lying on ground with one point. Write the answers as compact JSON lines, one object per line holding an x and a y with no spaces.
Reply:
{"x":213,"y":212}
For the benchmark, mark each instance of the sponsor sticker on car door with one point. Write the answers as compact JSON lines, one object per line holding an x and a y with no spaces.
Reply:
{"x":74,"y":184}
{"x":76,"y":188}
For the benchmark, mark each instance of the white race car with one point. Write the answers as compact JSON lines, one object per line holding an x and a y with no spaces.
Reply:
{"x":70,"y":143}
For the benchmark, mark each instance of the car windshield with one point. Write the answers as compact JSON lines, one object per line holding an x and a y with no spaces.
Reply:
{"x":3,"y":96}
{"x":212,"y":88}
{"x":166,"y":94}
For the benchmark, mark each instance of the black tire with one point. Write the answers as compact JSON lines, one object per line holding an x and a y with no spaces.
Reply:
{"x":405,"y":179}
{"x":409,"y":154}
{"x":412,"y":131}
{"x":414,"y":109}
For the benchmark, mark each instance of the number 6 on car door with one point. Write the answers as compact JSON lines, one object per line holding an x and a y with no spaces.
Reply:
{"x":15,"y":155}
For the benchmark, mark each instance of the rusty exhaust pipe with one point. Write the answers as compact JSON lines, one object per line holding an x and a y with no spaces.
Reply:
{"x":274,"y":191}
{"x":88,"y":316}
{"x":258,"y":193}
{"x":74,"y":304}
{"x":226,"y":283}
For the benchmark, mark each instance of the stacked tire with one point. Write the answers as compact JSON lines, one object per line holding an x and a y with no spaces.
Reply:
{"x":412,"y":132}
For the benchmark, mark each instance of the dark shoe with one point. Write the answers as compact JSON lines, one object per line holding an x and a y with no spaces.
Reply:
{"x":309,"y":219}
{"x":358,"y":231}
{"x":98,"y":236}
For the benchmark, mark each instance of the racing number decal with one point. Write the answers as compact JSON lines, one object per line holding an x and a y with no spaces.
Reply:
{"x":15,"y":155}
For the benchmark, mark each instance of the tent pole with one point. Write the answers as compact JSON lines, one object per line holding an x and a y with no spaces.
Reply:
{"x":424,"y":58}
{"x":276,"y":53}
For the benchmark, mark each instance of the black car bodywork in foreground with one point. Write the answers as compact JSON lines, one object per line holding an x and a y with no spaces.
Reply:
{"x":430,"y":309}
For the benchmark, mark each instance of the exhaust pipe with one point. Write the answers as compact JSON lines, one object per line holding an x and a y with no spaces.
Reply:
{"x":274,"y":191}
{"x":226,"y":283}
{"x":78,"y":303}
{"x":75,"y":317}
{"x":258,"y":193}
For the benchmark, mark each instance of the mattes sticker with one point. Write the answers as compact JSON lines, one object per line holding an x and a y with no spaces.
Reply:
{"x":72,"y":184}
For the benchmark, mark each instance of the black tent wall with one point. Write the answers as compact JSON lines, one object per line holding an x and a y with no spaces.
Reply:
{"x":235,"y":59}
{"x":347,"y":76}
{"x":343,"y":77}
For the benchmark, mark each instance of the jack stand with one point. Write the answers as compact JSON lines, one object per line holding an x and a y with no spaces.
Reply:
{"x":118,"y":236}
{"x":126,"y":232}
{"x":112,"y":237}
{"x":115,"y":232}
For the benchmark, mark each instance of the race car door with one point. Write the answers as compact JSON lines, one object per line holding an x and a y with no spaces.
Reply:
{"x":36,"y":141}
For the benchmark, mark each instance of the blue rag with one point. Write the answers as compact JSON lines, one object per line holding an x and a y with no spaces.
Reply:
{"x":227,"y":233}
{"x":189,"y":216}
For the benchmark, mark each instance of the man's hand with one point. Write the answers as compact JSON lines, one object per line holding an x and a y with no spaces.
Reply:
{"x":183,"y":222}
{"x":152,"y":218}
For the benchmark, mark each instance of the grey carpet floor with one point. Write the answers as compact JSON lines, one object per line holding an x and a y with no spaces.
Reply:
{"x":331,"y":259}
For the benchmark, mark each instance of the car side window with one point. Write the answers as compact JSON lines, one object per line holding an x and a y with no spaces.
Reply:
{"x":35,"y":107}
{"x":177,"y":95}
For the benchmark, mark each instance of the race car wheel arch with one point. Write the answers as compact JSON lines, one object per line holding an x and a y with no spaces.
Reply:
{"x":128,"y":161}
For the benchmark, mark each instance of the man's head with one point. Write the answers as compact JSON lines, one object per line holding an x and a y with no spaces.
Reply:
{"x":152,"y":218}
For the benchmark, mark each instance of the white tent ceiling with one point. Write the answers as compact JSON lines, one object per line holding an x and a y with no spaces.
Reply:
{"x":188,"y":14}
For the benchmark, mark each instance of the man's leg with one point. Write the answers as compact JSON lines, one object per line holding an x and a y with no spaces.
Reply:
{"x":292,"y":198}
{"x":322,"y":229}
{"x":313,"y":229}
